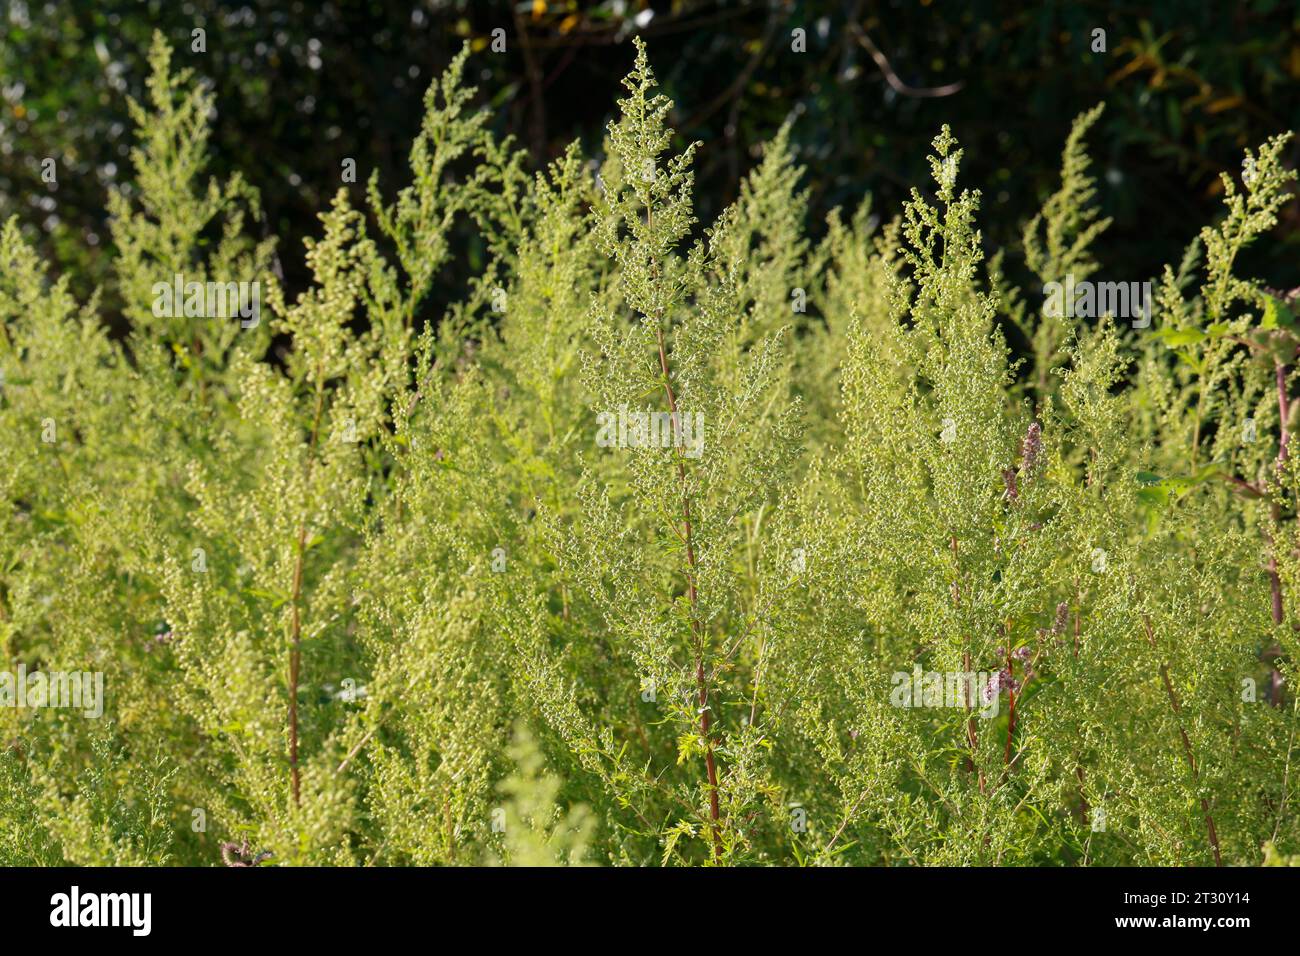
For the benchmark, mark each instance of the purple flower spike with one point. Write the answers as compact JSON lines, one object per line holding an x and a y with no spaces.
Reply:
{"x":1030,"y":447}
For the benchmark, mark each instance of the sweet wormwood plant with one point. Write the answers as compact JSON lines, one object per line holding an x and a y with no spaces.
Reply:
{"x":667,"y":545}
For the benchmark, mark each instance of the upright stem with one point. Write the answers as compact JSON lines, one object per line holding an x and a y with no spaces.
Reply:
{"x":1011,"y":713}
{"x":1283,"y":407}
{"x":295,"y":646}
{"x":1083,"y":798}
{"x":1275,"y":579}
{"x":697,"y":633}
{"x":972,"y":740}
{"x":1078,"y":599}
{"x":295,"y":662}
{"x":1187,"y":749}
{"x":1191,"y":762}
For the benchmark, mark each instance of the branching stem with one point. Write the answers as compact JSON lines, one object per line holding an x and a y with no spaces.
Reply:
{"x":1187,"y":748}
{"x":697,"y":632}
{"x":295,"y":632}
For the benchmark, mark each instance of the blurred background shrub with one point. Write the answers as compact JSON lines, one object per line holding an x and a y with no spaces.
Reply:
{"x":302,"y":86}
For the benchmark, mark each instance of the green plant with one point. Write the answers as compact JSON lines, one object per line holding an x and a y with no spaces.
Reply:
{"x":624,"y":558}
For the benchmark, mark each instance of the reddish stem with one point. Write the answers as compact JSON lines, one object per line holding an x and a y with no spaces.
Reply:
{"x":1011,"y":713}
{"x":1283,"y":407}
{"x":697,"y":633}
{"x":1187,"y":748}
{"x":1274,"y":578}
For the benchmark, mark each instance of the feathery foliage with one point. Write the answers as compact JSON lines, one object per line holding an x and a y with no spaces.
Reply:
{"x":627,"y":557}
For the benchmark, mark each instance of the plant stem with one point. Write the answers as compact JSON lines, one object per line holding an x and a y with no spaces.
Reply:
{"x":972,"y":740}
{"x":1283,"y":407}
{"x":1084,"y":809}
{"x":1286,"y":772}
{"x":1274,"y":578}
{"x":295,"y":663}
{"x":295,"y":648}
{"x":1011,"y":725}
{"x":1187,"y":748}
{"x":692,"y":571}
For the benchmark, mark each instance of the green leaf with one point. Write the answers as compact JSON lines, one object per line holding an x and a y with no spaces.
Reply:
{"x":1178,"y":337}
{"x":1276,"y":314}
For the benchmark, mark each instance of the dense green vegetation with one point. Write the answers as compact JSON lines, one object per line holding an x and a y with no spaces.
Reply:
{"x":299,"y":87}
{"x":370,"y":590}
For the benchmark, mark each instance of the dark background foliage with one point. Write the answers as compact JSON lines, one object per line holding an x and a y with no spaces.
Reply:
{"x":302,"y":85}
